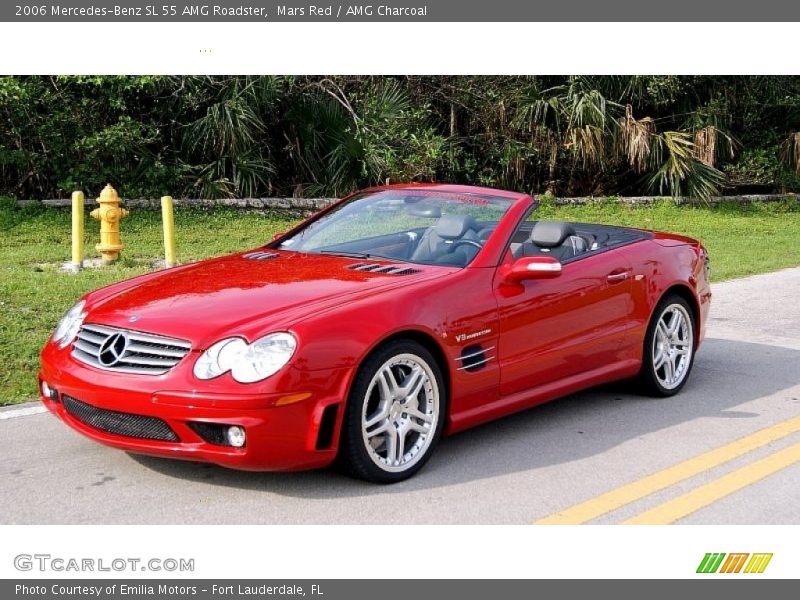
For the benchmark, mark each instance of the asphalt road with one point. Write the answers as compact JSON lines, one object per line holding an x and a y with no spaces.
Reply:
{"x":724,"y":451}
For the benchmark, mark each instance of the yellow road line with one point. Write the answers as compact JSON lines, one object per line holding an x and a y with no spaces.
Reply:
{"x":614,"y":499}
{"x":692,"y":501}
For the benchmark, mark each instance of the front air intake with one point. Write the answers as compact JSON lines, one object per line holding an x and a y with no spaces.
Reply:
{"x":119,"y":423}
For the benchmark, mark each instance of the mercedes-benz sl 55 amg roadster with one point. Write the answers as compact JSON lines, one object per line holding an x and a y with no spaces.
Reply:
{"x":362,"y":335}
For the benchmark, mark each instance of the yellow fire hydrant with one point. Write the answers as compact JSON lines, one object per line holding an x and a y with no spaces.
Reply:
{"x":109,"y":215}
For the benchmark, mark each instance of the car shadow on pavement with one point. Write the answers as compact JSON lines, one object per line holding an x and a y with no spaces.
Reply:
{"x":726,"y":374}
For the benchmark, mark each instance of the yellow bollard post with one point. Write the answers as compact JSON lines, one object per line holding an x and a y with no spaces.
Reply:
{"x":77,"y":231}
{"x":109,"y":215}
{"x":168,"y":218}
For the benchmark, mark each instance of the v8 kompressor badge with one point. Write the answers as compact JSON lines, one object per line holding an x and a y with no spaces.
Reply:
{"x":463,"y":337}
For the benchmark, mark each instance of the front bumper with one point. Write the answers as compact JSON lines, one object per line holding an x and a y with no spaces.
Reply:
{"x":293,"y":430}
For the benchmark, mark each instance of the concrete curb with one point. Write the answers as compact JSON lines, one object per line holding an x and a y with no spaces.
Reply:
{"x":25,"y":404}
{"x":25,"y":409}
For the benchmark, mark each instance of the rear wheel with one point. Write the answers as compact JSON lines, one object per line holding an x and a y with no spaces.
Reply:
{"x":394,"y":415}
{"x":668,"y":348}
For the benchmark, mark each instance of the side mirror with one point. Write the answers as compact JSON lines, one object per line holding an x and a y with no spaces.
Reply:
{"x":533,"y":267}
{"x":277,"y":235}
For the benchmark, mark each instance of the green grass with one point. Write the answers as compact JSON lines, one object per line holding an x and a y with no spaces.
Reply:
{"x":742,"y":240}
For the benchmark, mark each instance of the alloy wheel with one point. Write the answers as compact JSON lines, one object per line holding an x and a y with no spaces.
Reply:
{"x":400,"y":413}
{"x":673,"y":344}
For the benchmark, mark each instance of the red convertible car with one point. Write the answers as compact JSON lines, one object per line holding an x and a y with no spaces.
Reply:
{"x":368,"y":331}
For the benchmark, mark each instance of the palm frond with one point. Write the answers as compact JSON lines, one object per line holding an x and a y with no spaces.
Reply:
{"x":228,"y":127}
{"x":790,"y":152}
{"x":587,"y":144}
{"x":712,"y":145}
{"x":209,"y":182}
{"x":634,"y":140}
{"x":251,"y":173}
{"x":388,"y":102}
{"x":680,"y":171}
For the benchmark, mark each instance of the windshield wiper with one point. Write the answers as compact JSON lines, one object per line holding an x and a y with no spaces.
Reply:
{"x":363,"y":255}
{"x":345,"y":253}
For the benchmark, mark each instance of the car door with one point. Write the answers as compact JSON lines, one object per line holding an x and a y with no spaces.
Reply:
{"x":552,"y":329}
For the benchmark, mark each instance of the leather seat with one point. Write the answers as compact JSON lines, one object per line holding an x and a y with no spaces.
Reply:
{"x":553,"y":238}
{"x":435,"y":246}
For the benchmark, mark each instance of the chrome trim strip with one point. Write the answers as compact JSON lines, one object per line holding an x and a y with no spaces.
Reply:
{"x":92,"y":338}
{"x":84,"y":346}
{"x":150,"y":349}
{"x":147,"y":361}
{"x":101,"y":329}
{"x":476,"y":364}
{"x":472,"y":355}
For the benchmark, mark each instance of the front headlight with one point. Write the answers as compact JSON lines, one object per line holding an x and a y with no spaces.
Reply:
{"x":247,"y":363}
{"x":68,"y":326}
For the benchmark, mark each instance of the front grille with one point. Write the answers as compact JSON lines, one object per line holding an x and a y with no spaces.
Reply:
{"x":387,"y":269}
{"x":119,"y":423}
{"x":125,"y":351}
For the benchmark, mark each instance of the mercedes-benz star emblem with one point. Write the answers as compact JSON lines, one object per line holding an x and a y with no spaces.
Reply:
{"x":113,"y":349}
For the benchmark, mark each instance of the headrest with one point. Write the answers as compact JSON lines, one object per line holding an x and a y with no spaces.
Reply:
{"x":454,"y":226}
{"x":548,"y":234}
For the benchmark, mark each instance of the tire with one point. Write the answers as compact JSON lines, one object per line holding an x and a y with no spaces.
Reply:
{"x":390,"y":431}
{"x":668,"y":353}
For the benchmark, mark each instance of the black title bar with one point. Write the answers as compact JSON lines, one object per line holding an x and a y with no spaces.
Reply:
{"x":382,"y":589}
{"x":402,"y":11}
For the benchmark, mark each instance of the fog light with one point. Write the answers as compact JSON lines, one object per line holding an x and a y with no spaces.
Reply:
{"x":235,"y":435}
{"x":49,"y":392}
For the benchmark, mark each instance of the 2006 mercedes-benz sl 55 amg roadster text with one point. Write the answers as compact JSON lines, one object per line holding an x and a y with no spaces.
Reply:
{"x":368,"y":331}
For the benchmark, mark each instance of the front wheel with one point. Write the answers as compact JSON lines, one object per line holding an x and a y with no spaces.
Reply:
{"x":395,"y":414}
{"x":668,"y":348}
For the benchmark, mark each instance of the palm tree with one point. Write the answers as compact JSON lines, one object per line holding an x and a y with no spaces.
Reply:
{"x":226,"y":141}
{"x":599,"y":134}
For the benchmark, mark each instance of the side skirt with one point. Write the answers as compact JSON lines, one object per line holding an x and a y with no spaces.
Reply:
{"x":539,"y":395}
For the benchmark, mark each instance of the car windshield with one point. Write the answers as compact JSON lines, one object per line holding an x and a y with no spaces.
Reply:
{"x":418,"y":226}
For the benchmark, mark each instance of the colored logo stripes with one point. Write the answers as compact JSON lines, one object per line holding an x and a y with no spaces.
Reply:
{"x":713,"y":562}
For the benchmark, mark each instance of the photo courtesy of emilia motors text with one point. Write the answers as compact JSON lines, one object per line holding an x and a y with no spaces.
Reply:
{"x":409,"y":299}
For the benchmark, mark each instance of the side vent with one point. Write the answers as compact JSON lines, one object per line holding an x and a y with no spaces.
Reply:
{"x":260,"y":255}
{"x":326,"y":427}
{"x":386,"y":269}
{"x":474,"y":358}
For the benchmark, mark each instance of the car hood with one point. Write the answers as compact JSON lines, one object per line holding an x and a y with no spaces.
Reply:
{"x":245,"y":292}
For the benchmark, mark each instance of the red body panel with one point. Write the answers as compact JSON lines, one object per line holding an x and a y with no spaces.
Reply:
{"x":544,"y":338}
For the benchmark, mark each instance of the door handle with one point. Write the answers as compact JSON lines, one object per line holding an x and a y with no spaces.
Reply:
{"x":617,"y":277}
